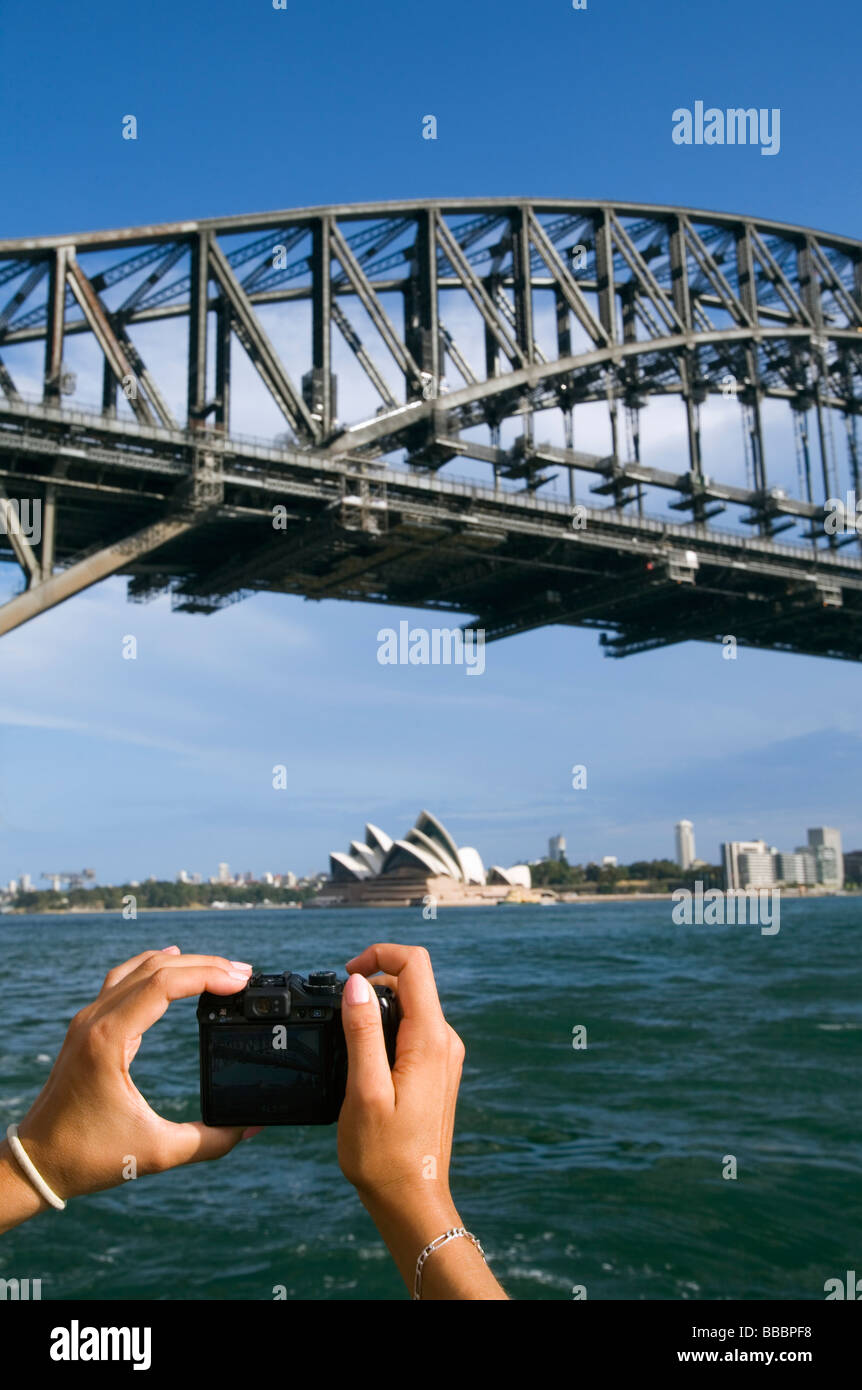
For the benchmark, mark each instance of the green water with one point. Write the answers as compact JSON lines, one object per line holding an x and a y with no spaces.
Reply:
{"x":599,"y":1167}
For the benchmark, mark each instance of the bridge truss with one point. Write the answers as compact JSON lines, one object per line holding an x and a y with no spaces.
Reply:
{"x":399,"y":345}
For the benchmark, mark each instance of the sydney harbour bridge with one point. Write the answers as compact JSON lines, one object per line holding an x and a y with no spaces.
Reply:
{"x":434,"y":367}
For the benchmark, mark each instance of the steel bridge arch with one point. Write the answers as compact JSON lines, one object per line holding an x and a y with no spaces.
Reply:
{"x":571,"y":302}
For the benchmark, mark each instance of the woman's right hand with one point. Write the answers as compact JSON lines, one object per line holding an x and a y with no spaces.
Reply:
{"x":395,"y":1127}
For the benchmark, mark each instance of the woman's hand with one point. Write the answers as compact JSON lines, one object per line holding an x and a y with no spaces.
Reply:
{"x":90,"y":1121}
{"x":395,"y":1127}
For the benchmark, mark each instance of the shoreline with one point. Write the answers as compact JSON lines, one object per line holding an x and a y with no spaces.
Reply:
{"x":118,"y":911}
{"x":668,"y":897}
{"x":570,"y":900}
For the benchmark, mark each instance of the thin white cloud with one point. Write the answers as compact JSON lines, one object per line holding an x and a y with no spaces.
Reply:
{"x":28,"y":719}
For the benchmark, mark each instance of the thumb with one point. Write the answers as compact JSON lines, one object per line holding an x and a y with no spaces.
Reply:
{"x":368,"y":1076}
{"x":195,"y":1142}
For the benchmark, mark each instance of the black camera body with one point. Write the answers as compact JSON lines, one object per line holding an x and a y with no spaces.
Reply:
{"x":275,"y":1054}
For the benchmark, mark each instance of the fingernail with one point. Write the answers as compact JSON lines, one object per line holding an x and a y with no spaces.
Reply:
{"x":241,"y":965}
{"x":251,"y":1131}
{"x":170,"y":948}
{"x":237,"y":977}
{"x":357,"y":990}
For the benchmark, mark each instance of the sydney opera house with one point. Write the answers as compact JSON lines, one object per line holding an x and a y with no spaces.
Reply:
{"x":427,"y":863}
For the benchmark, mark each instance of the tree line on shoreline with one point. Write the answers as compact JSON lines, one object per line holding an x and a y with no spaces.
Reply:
{"x":157,"y":894}
{"x":642,"y":876}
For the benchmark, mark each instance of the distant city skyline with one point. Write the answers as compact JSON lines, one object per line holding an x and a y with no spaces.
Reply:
{"x":752,"y":862}
{"x":57,"y":882}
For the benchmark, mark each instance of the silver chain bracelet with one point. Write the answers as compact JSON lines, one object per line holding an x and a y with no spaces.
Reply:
{"x":435,"y":1245}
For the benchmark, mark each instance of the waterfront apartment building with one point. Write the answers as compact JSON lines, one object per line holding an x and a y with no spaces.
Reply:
{"x":685,"y":854}
{"x":748,"y":864}
{"x":825,"y":841}
{"x":757,"y":868}
{"x":797,"y":868}
{"x":809,"y":859}
{"x":557,"y":848}
{"x":753,"y":864}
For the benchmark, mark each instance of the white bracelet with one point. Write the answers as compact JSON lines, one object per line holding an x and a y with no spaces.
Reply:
{"x":435,"y":1244}
{"x":36,"y":1178}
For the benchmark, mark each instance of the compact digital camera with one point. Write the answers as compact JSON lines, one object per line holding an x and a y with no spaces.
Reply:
{"x":275,"y":1054}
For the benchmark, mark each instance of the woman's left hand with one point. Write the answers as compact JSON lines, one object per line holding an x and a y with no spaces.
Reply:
{"x":90,"y":1127}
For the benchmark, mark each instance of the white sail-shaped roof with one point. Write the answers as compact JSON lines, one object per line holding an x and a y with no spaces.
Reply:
{"x":471,"y":862}
{"x":377,"y":839}
{"x":518,"y":876}
{"x":429,"y":825}
{"x":416,"y":837}
{"x":344,"y":866}
{"x":427,"y":849}
{"x":404,"y":855}
{"x":366,"y":855}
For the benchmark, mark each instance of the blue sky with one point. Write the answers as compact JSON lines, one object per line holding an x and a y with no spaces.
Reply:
{"x":166,"y":762}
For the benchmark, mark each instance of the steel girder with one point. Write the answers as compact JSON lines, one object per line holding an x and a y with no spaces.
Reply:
{"x":569,"y":303}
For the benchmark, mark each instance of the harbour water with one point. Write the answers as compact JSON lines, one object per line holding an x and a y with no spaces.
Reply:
{"x":598,"y":1167}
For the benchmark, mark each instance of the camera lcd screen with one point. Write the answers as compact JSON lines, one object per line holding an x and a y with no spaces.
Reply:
{"x":273,"y":1068}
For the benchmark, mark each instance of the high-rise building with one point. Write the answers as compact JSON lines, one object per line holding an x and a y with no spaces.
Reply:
{"x":685,"y":844}
{"x":748,"y":864}
{"x":26,"y":883}
{"x":557,"y":847}
{"x":224,"y":873}
{"x":830,"y":866}
{"x":825,"y":841}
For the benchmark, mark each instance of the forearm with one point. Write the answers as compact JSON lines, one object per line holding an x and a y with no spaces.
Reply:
{"x":407,"y":1224}
{"x":19,"y":1200}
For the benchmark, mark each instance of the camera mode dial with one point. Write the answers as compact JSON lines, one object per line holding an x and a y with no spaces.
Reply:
{"x":323,"y":981}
